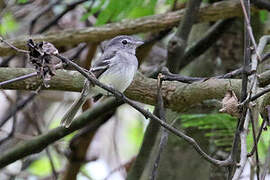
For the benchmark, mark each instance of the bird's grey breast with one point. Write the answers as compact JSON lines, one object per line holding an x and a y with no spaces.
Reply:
{"x":122,"y":68}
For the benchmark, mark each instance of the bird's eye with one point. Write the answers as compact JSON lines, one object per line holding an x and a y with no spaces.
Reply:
{"x":124,"y":42}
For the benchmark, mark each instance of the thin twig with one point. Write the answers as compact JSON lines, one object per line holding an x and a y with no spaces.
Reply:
{"x":21,"y":104}
{"x":55,"y":175}
{"x":146,"y":113}
{"x":266,"y":165}
{"x":54,"y":21}
{"x":255,"y":144}
{"x":177,"y":44}
{"x":164,"y":132}
{"x":259,"y":94}
{"x":20,"y":78}
{"x":257,"y":138}
{"x":248,"y":26}
{"x":214,"y":33}
{"x":239,"y":132}
{"x":35,"y":123}
{"x":186,"y":79}
{"x":243,"y":153}
{"x":39,"y":143}
{"x":41,"y":13}
{"x":265,"y":56}
{"x":13,"y":47}
{"x":11,"y":133}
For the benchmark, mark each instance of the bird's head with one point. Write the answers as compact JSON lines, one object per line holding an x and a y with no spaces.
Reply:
{"x":123,"y":42}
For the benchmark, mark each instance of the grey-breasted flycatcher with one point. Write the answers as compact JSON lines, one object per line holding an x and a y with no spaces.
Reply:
{"x":116,"y":68}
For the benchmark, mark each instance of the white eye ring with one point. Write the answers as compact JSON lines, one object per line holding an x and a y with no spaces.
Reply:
{"x":124,"y":42}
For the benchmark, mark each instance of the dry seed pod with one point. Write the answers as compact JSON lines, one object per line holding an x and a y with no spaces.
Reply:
{"x":230,"y":104}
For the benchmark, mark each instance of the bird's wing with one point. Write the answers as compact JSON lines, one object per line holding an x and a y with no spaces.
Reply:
{"x":103,"y":63}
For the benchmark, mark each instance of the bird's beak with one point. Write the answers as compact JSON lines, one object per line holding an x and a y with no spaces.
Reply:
{"x":139,"y":43}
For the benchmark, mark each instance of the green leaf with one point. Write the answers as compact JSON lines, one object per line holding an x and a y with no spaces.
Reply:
{"x":115,"y":10}
{"x":8,"y":24}
{"x":96,"y":7}
{"x":42,"y":166}
{"x":135,"y":133}
{"x":107,"y":13}
{"x":170,"y":2}
{"x":22,"y":1}
{"x":263,"y":143}
{"x":263,"y":15}
{"x":219,"y":127}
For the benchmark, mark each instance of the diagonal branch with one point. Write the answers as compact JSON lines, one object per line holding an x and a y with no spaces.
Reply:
{"x":208,"y":39}
{"x":39,"y":143}
{"x":146,"y":113}
{"x":178,"y":43}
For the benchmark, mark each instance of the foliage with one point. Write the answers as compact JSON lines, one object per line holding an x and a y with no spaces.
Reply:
{"x":263,"y":15}
{"x":263,"y":143}
{"x":115,"y":10}
{"x":135,"y":132}
{"x":22,"y":1}
{"x":42,"y":166}
{"x":7,"y":24}
{"x":219,"y":127}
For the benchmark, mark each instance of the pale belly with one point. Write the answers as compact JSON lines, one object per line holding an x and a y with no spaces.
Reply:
{"x":117,"y":77}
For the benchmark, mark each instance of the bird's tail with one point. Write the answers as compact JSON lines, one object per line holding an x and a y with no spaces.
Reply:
{"x":70,"y":114}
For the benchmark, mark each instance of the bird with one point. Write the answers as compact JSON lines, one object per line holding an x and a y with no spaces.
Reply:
{"x":115,"y":68}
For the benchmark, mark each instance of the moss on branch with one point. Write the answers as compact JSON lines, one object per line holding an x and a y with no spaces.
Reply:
{"x":177,"y":96}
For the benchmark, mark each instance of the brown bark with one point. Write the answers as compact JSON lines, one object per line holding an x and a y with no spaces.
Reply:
{"x":177,"y":96}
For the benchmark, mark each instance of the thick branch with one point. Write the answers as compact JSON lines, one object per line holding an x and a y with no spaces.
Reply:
{"x":177,"y":96}
{"x":38,"y":143}
{"x":216,"y":11}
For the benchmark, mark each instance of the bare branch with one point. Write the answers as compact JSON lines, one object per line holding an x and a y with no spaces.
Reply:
{"x":178,"y":42}
{"x":255,"y":144}
{"x":21,"y":104}
{"x":248,"y":26}
{"x":20,"y":78}
{"x":164,"y":133}
{"x":177,"y":96}
{"x":39,"y":143}
{"x":243,"y":153}
{"x":42,"y":12}
{"x":54,"y":21}
{"x":208,"y":39}
{"x":261,"y":4}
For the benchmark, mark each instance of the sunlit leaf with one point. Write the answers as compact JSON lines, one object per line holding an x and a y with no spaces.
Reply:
{"x":42,"y":166}
{"x":22,"y":1}
{"x":263,"y":143}
{"x":7,"y":24}
{"x":115,"y":10}
{"x":263,"y":15}
{"x":135,"y":134}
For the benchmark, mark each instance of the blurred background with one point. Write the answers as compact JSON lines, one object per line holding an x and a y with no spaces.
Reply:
{"x":109,"y":151}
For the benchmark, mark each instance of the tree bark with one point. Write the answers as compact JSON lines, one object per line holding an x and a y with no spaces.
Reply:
{"x":177,"y":96}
